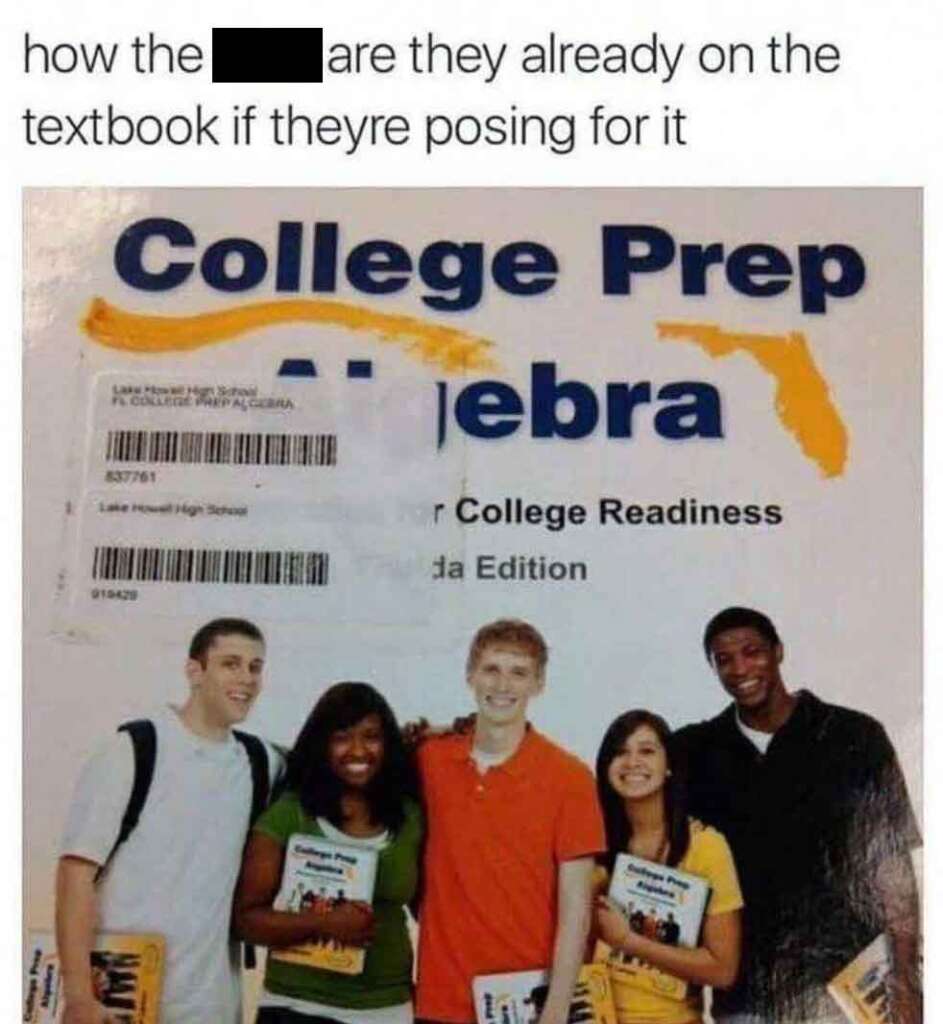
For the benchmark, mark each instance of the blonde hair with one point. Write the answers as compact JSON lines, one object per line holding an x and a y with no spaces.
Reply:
{"x":513,"y":632}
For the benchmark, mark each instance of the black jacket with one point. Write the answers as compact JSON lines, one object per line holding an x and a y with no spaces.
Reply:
{"x":808,"y":822}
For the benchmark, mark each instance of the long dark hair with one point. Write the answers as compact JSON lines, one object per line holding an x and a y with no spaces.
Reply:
{"x":618,"y":826}
{"x":309,"y":772}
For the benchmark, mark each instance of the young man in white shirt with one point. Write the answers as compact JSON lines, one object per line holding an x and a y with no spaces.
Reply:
{"x":174,"y":874}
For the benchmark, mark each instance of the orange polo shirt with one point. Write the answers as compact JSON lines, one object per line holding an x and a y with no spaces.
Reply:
{"x":494,"y":843}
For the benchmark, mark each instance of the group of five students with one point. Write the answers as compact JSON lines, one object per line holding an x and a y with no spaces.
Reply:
{"x":501,"y":839}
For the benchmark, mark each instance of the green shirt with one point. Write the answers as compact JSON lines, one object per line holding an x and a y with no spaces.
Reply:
{"x":387,"y":975}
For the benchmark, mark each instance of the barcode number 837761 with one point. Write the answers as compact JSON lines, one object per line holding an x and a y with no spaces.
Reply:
{"x":130,"y":476}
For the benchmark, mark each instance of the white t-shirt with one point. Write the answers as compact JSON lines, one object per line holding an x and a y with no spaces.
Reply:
{"x":487,"y":759}
{"x":176,"y":872}
{"x":760,"y":740}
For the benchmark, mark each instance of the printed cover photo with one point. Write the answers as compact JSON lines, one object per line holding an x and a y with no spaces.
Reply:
{"x":672,"y":438}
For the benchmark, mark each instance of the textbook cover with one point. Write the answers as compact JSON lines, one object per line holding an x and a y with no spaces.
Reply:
{"x":126,"y":976}
{"x":861,"y":988}
{"x":319,"y":874}
{"x":371,"y":421}
{"x":661,"y":903}
{"x":519,"y":997}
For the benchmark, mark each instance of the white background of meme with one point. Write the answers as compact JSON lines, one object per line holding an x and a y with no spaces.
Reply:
{"x":875,"y":122}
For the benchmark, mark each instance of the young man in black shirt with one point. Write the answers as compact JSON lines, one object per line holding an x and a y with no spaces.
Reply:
{"x":812,"y":800}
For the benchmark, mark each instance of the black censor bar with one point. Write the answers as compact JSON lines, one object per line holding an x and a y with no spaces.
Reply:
{"x":259,"y":55}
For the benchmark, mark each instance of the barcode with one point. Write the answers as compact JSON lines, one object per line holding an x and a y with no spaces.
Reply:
{"x":221,"y":448}
{"x":206,"y":565}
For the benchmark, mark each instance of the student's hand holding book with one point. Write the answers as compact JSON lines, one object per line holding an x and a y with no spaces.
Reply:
{"x":86,"y":1011}
{"x":612,"y":925}
{"x":350,"y":923}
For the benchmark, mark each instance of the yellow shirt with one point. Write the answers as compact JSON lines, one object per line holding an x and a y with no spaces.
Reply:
{"x":708,"y":857}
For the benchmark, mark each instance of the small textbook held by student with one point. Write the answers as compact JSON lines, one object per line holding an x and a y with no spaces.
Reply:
{"x":661,"y":903}
{"x":127,"y":970}
{"x":518,"y":997}
{"x":319,"y":872}
{"x":861,"y":988}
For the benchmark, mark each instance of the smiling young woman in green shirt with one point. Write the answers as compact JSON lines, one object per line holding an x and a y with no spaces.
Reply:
{"x":350,"y":780}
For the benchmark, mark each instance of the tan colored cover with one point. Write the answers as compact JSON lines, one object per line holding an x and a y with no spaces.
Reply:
{"x":127,"y":975}
{"x":861,"y":988}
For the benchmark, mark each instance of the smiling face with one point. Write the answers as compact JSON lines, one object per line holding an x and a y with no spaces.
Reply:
{"x":640,"y":767}
{"x":747,"y":665}
{"x":503,"y":679}
{"x":355,"y":753}
{"x":226,"y":681}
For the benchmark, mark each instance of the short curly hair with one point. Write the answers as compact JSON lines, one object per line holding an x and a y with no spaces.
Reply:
{"x":739,"y":618}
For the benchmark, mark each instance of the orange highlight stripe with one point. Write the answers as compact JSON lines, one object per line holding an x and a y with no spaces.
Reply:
{"x":803,"y":401}
{"x":447,"y":348}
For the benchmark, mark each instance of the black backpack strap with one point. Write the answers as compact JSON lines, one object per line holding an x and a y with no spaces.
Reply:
{"x":280,"y":784}
{"x":143,"y":738}
{"x":258,"y":763}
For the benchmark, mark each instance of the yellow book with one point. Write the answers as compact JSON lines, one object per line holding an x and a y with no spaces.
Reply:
{"x":127,"y":971}
{"x":860,"y":989}
{"x":640,"y":974}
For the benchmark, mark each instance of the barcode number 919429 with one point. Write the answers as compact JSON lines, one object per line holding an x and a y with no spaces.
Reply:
{"x":111,"y":594}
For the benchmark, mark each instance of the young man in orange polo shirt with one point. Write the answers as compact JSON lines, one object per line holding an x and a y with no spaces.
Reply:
{"x":513,"y":825}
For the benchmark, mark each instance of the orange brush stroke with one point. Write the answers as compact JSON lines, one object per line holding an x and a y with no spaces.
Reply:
{"x":803,"y":402}
{"x":450,"y":349}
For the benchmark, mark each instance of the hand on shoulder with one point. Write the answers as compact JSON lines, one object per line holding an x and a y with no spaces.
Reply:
{"x":416,"y":732}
